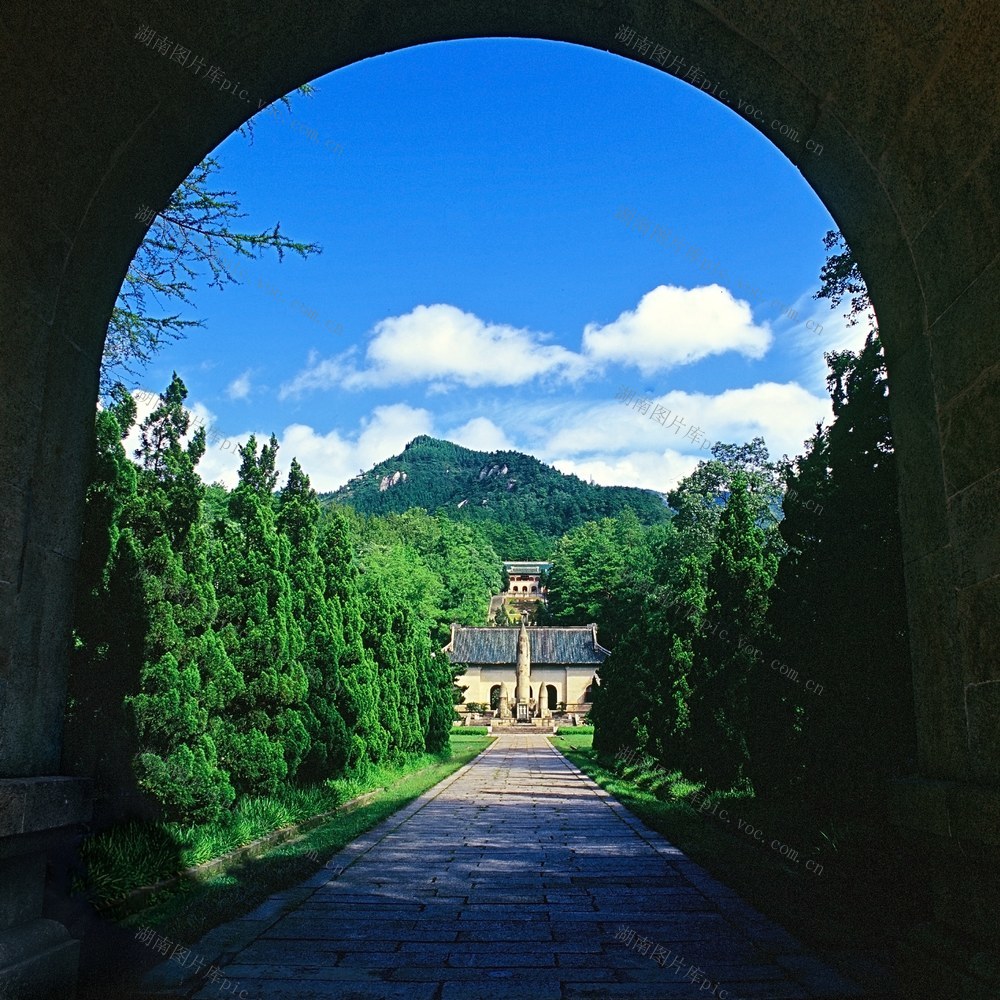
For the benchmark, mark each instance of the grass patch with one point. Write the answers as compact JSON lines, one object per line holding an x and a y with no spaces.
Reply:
{"x":469,"y":731}
{"x":576,"y":730}
{"x":188,"y":911}
{"x":860,"y":899}
{"x":138,"y":854}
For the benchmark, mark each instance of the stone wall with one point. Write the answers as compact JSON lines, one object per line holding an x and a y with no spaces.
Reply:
{"x":901,"y":100}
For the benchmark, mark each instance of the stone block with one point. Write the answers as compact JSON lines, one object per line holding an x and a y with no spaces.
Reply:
{"x":970,"y":431}
{"x":976,"y":541}
{"x":38,"y":961}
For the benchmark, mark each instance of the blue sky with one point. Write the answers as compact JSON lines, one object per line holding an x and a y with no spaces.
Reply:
{"x":512,"y":232}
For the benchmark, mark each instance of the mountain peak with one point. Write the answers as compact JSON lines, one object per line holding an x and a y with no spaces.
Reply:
{"x":510,"y":487}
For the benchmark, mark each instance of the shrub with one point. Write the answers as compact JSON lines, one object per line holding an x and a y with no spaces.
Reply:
{"x":127,"y":857}
{"x":138,"y":854}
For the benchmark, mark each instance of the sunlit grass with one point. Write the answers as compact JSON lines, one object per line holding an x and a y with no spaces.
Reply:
{"x":135,"y":855}
{"x":194,"y":908}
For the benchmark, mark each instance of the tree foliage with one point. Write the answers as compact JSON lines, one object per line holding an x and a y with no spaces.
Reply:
{"x":232,"y":642}
{"x":770,"y":648}
{"x":186,"y":238}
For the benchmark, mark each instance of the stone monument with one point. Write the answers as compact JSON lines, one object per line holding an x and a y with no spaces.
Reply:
{"x":522,"y":690}
{"x":504,"y":707}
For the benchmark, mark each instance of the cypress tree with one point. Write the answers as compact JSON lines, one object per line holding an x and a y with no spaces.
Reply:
{"x":357,"y":697}
{"x":726,"y":658}
{"x":99,"y":740}
{"x":319,"y":616}
{"x":265,"y":738}
{"x":840,"y":596}
{"x":178,"y":759}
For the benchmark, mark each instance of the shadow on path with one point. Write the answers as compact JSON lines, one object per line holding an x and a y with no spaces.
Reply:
{"x":516,"y":878}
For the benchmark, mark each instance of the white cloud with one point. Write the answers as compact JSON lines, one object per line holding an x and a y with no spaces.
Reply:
{"x":331,"y":459}
{"x":784,"y":414}
{"x":481,"y":434}
{"x":441,"y":342}
{"x":240,"y":387}
{"x":674,"y":326}
{"x":618,"y":445}
{"x":646,"y":469}
{"x":319,"y":373}
{"x":444,"y":346}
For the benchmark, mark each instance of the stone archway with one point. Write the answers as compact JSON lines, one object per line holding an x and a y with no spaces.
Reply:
{"x":551,"y":697}
{"x":900,"y":98}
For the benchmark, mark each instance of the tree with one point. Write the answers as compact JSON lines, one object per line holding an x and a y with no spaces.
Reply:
{"x":357,"y":696}
{"x":597,"y":571}
{"x":698,"y":500}
{"x":265,"y":738}
{"x":725,"y":661}
{"x":109,"y":621}
{"x":502,"y":616}
{"x":453,"y":572}
{"x":840,"y":593}
{"x":838,"y":610}
{"x":189,"y":233}
{"x":840,"y":277}
{"x":393,"y":635}
{"x":319,"y":615}
{"x":670,"y":722}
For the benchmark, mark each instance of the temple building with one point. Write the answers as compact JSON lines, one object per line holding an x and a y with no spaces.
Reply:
{"x":524,"y":579}
{"x":557,"y":664}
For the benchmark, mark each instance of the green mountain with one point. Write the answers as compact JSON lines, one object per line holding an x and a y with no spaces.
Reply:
{"x":503,"y":487}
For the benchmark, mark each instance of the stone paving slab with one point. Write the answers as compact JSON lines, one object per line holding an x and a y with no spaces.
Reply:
{"x":516,"y":878}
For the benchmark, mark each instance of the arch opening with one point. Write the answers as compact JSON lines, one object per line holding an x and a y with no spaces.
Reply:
{"x":931,"y":293}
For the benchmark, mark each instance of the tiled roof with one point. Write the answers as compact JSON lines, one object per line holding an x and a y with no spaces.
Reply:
{"x":514,"y":566}
{"x":548,"y":645}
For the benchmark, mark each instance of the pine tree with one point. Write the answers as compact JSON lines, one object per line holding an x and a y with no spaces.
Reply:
{"x":726,"y":662}
{"x":319,"y":616}
{"x":178,"y":759}
{"x":191,"y":231}
{"x":265,"y":739}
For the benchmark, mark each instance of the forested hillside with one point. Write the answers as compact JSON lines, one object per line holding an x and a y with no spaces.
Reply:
{"x":534,"y":502}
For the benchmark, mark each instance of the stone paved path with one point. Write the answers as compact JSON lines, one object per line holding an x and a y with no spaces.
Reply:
{"x":517,"y":877}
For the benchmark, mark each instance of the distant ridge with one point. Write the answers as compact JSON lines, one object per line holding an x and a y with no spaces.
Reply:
{"x":508,"y":487}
